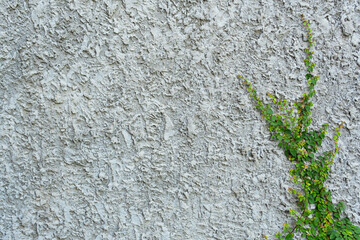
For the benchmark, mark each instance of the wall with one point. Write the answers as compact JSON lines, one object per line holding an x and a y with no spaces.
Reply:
{"x":124,"y":119}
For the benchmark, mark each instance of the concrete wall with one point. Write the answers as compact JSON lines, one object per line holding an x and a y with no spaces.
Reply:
{"x":124,"y":119}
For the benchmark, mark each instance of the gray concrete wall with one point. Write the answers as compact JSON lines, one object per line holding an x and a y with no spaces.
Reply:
{"x":124,"y":119}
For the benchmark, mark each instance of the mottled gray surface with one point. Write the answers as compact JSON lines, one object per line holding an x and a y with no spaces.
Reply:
{"x":124,"y":119}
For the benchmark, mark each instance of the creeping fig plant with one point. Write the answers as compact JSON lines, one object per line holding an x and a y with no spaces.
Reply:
{"x":317,"y":217}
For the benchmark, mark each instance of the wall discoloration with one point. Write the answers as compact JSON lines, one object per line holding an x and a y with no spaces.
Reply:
{"x":125,"y":119}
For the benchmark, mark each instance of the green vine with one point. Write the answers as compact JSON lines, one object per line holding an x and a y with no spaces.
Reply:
{"x":318,"y":217}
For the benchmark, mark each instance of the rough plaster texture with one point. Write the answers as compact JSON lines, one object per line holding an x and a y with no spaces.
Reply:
{"x":124,"y":119}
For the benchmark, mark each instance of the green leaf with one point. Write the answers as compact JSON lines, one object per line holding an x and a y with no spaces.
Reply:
{"x":293,"y":152}
{"x":341,"y":206}
{"x":289,"y":236}
{"x":308,"y":76}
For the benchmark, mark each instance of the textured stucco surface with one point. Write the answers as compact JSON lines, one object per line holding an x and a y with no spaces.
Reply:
{"x":124,"y":119}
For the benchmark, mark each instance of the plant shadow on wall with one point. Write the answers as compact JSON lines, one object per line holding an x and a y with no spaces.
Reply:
{"x":318,"y":217}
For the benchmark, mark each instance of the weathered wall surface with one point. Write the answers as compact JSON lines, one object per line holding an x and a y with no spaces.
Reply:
{"x":124,"y":119}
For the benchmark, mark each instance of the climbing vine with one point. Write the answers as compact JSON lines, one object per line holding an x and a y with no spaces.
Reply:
{"x":317,"y":218}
